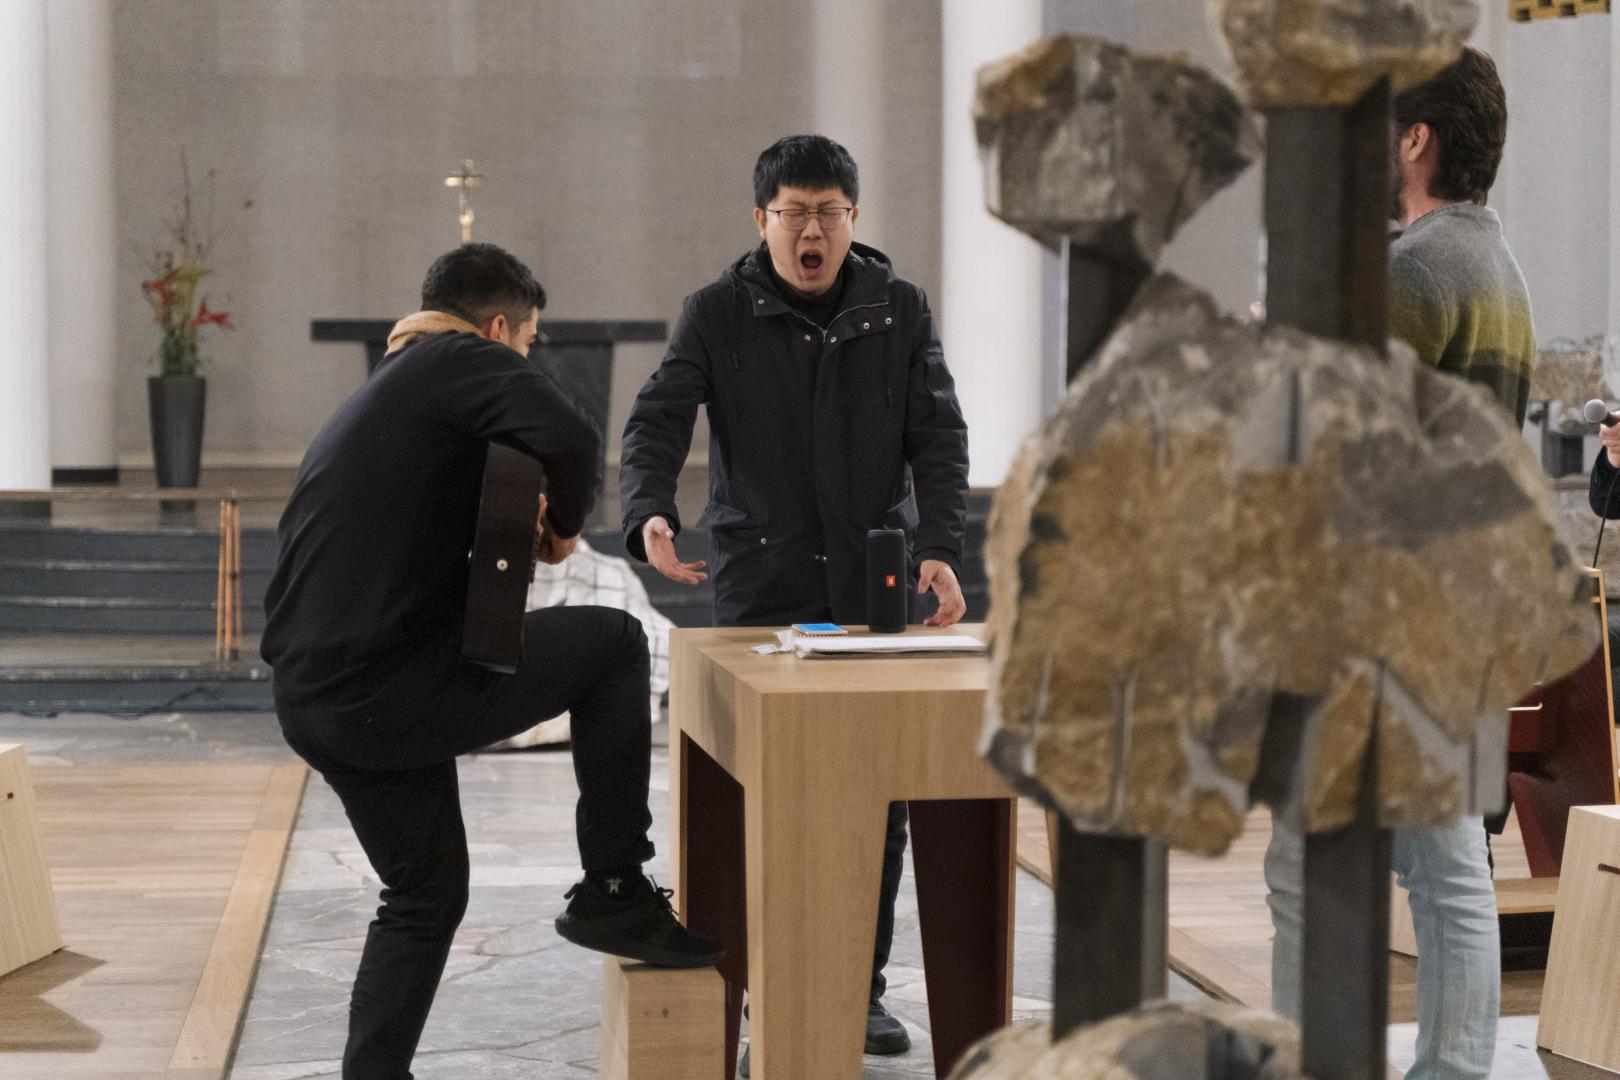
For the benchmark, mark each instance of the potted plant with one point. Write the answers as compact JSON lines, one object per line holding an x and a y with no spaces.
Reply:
{"x":177,"y":394}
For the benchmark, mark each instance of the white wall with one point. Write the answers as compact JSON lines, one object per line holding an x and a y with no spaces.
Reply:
{"x":1554,"y":189}
{"x":618,"y":136}
{"x":24,"y":396}
{"x":990,"y":310}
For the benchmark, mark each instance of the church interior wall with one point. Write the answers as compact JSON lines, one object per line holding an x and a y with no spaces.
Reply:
{"x":618,"y":137}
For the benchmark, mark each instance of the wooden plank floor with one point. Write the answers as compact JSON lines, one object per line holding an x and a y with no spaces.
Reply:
{"x":1220,"y":926}
{"x":164,"y":876}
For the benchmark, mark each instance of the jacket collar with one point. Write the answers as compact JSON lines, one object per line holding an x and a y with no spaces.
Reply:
{"x":866,"y":286}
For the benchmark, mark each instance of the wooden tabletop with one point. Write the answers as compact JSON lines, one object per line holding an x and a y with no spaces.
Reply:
{"x":730,"y":652}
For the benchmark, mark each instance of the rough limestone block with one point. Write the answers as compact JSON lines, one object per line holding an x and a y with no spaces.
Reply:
{"x":1205,"y":1040}
{"x":1331,"y":52}
{"x":28,"y":924}
{"x":1220,"y":513}
{"x":1083,"y":138}
{"x":662,"y":1023}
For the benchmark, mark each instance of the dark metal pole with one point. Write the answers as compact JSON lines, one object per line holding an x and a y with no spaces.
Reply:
{"x":1100,"y":288}
{"x":1112,"y":914}
{"x":1344,"y":999}
{"x":1327,"y":227}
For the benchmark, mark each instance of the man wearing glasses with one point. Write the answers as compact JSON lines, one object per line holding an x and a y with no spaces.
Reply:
{"x":831,"y":412}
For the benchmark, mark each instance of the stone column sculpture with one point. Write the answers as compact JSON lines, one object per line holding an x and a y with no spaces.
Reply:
{"x":1282,"y":563}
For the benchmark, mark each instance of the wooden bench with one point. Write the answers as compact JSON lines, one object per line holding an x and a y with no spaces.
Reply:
{"x":28,"y":925}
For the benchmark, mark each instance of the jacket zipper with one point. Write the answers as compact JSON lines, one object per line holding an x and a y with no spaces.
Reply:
{"x":841,"y":314}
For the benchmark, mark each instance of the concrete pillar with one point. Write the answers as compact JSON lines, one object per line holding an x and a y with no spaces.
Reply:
{"x":25,"y":460}
{"x":990,"y":305}
{"x":81,"y":240}
{"x":848,"y":101}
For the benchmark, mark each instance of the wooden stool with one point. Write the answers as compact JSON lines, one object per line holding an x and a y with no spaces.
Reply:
{"x":662,"y":1023}
{"x":28,"y":927}
{"x":1581,"y":997}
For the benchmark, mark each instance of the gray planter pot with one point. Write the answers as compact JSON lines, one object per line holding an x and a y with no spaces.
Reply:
{"x":177,"y":427}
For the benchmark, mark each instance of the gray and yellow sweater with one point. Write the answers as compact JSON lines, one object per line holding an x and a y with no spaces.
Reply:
{"x":1456,"y":296}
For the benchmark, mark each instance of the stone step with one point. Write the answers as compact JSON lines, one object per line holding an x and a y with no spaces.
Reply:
{"x":30,"y":541}
{"x":97,"y":578}
{"x":116,"y":615}
{"x":243,"y":686}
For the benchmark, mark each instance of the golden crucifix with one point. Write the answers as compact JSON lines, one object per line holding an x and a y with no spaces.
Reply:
{"x":464,"y":181}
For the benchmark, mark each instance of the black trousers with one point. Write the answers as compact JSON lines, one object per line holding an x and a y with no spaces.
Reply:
{"x":393,"y":766}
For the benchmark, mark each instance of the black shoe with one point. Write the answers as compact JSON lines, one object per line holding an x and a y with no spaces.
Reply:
{"x":640,"y":926}
{"x":884,"y":1034}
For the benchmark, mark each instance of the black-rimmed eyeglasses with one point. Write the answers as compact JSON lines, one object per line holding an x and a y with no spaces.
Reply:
{"x":795,"y":219}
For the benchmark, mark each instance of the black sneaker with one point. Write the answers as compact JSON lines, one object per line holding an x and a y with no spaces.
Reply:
{"x":640,"y":926}
{"x":884,"y":1034}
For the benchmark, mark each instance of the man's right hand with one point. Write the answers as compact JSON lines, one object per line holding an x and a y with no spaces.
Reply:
{"x":659,"y":540}
{"x":1609,"y":434}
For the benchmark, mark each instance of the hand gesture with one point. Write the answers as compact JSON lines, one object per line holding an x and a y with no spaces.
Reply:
{"x":1610,"y":436}
{"x":549,"y":548}
{"x":939,"y":577}
{"x":659,"y":540}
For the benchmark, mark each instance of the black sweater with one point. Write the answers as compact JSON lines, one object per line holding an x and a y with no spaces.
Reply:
{"x":371,"y":577}
{"x":1599,"y":490}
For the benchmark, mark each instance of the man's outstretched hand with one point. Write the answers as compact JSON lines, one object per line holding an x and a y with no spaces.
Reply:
{"x":659,"y":540}
{"x":938,"y":576}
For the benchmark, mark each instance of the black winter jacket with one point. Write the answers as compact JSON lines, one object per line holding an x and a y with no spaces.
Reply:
{"x":816,"y":436}
{"x":371,"y":578}
{"x":1600,"y":490}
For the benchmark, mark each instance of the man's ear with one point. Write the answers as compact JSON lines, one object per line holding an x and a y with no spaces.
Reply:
{"x":1417,"y":141}
{"x":759,"y":220}
{"x":496,"y":329}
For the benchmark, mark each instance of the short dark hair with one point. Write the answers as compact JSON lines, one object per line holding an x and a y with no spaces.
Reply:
{"x":1466,"y":108}
{"x":807,"y":161}
{"x":480,"y":281}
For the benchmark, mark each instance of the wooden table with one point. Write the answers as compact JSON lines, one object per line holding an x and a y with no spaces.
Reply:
{"x":780,"y":778}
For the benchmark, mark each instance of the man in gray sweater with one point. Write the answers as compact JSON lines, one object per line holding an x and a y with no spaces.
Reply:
{"x":1456,"y":296}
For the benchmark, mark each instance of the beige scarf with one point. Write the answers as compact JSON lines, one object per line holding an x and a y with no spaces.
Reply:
{"x":413,"y":328}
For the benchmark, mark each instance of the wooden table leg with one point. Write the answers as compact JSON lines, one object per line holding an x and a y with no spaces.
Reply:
{"x":962,"y":852}
{"x":815,"y":858}
{"x":709,"y":870}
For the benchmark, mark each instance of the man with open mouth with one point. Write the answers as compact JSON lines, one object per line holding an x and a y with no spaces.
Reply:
{"x":831,"y":412}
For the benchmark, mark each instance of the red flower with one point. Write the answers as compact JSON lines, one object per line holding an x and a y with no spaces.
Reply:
{"x":221,"y":319}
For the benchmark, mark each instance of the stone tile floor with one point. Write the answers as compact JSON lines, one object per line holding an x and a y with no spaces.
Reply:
{"x":516,"y":1001}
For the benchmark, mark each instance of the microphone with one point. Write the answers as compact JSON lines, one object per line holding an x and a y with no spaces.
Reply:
{"x":1596,"y":412}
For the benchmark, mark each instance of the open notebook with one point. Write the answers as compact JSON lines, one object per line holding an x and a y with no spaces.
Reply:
{"x":877,"y":645}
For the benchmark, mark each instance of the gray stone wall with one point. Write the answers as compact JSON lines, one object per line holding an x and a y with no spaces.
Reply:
{"x":618,"y":136}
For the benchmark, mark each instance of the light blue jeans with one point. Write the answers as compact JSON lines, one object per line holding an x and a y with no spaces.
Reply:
{"x":1446,"y":872}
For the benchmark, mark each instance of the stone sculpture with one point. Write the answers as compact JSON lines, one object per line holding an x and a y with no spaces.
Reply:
{"x":1330,"y":52}
{"x":1205,"y":1040}
{"x":1220,"y":513}
{"x":1084,"y":139}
